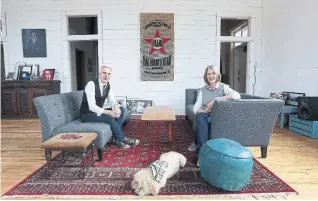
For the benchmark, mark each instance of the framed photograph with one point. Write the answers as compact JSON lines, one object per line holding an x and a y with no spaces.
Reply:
{"x":24,"y":72}
{"x":10,"y":76}
{"x":48,"y":74}
{"x":121,"y":100}
{"x":137,"y":106}
{"x":34,"y":42}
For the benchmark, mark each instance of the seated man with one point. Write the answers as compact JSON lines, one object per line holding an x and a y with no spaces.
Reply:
{"x":214,"y":89}
{"x":96,"y":94}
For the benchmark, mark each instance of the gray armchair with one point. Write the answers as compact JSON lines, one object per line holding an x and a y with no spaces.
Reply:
{"x":249,"y":121}
{"x":59,"y":113}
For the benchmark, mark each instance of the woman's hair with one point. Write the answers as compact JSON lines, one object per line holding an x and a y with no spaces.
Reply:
{"x":216,"y":71}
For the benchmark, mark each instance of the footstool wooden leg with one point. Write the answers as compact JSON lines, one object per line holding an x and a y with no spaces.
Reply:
{"x":63,"y":154}
{"x":48,"y":155}
{"x":92,"y":150}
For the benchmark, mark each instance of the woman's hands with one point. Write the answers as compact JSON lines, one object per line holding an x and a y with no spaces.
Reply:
{"x":209,"y":106}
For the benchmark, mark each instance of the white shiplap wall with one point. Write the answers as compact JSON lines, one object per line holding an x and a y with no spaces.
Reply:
{"x":195,"y":40}
{"x":290,"y":47}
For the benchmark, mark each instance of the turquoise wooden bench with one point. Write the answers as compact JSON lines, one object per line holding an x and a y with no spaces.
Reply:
{"x":303,"y":127}
{"x":291,"y":105}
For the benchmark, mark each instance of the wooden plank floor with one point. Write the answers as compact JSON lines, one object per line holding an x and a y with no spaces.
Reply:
{"x":291,"y":157}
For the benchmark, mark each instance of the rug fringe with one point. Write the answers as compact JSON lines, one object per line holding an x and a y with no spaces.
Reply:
{"x":120,"y":197}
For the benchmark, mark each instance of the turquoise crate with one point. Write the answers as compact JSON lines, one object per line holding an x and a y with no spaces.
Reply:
{"x":303,"y":127}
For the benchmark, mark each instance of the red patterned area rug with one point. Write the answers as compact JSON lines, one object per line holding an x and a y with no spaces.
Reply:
{"x":111,"y":178}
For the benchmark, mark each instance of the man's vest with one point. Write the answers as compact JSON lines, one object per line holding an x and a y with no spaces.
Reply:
{"x":99,"y":99}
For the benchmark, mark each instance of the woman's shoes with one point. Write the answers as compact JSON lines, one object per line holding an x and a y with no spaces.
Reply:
{"x":192,"y":147}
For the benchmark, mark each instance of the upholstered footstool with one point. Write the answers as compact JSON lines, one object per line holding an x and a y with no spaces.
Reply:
{"x":71,"y":142}
{"x":225,"y":164}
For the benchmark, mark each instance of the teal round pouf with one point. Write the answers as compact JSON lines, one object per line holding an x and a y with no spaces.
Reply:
{"x":225,"y":164}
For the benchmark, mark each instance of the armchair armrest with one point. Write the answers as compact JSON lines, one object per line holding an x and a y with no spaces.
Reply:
{"x":249,"y":122}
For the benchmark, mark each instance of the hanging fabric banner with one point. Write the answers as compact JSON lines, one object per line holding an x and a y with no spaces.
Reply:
{"x":157,"y":46}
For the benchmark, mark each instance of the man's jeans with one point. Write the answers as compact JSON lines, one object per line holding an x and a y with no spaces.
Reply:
{"x":114,"y":123}
{"x":202,"y":128}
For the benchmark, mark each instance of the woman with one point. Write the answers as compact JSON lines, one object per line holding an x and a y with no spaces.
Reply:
{"x":213,"y":90}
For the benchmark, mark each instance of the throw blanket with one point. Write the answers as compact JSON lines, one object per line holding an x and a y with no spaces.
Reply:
{"x":158,"y":169}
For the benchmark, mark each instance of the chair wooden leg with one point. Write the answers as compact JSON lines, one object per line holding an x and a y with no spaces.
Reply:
{"x":100,"y":154}
{"x":264,"y":152}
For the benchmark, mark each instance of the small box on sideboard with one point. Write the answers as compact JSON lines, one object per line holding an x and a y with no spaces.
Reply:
{"x":303,"y":127}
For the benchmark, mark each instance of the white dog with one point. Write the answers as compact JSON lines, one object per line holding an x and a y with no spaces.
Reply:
{"x":151,"y":179}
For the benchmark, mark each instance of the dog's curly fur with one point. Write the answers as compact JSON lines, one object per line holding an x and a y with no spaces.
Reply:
{"x":143,"y":182}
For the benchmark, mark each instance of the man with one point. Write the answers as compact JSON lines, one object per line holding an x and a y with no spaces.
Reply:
{"x":34,"y":45}
{"x":96,"y":94}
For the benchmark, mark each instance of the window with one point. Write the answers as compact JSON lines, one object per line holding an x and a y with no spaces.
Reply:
{"x":234,"y":27}
{"x":241,"y":31}
{"x":82,"y":25}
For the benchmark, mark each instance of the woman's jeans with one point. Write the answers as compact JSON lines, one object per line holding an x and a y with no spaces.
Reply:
{"x":203,"y":121}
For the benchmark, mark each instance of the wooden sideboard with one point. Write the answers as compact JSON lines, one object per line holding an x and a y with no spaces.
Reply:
{"x":17,"y":96}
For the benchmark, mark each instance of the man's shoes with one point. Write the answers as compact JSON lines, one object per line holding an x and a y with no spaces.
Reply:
{"x":130,"y":141}
{"x":192,"y":147}
{"x":120,"y":145}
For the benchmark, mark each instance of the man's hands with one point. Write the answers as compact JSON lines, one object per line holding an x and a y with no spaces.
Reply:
{"x":114,"y":113}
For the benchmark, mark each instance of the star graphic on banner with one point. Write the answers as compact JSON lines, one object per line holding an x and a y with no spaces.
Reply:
{"x":157,"y":43}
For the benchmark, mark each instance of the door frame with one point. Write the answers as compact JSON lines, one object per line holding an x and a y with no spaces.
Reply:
{"x":82,"y":71}
{"x":66,"y":39}
{"x":250,"y":40}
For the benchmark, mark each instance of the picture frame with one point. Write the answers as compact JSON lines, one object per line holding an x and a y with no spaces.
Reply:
{"x":10,"y":76}
{"x":121,"y":100}
{"x":23,"y":71}
{"x":16,"y":68}
{"x":137,"y":106}
{"x":34,"y":42}
{"x":48,"y":74}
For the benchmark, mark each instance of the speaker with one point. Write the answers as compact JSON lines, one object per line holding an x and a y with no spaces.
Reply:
{"x":308,"y":108}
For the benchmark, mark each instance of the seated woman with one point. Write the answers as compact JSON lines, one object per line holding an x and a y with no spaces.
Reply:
{"x":213,"y":90}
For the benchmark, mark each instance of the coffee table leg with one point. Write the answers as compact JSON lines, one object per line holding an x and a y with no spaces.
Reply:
{"x":170,"y":131}
{"x":147,"y":128}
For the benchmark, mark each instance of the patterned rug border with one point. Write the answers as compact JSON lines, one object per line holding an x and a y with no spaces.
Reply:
{"x":235,"y":195}
{"x":257,"y":196}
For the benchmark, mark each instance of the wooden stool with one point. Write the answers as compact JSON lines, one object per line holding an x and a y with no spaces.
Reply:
{"x":71,"y":142}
